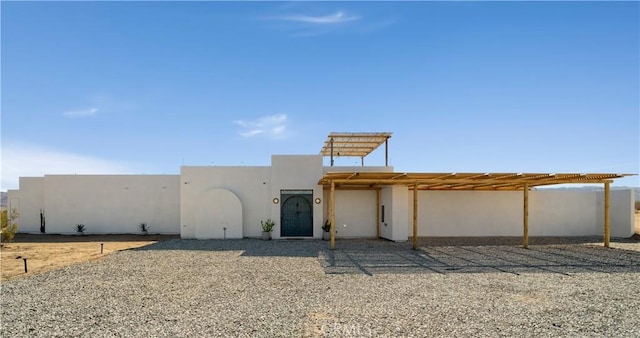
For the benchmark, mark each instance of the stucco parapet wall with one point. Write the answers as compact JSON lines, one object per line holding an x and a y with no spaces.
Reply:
{"x":109,"y":175}
{"x":352,"y":169}
{"x":226,"y":169}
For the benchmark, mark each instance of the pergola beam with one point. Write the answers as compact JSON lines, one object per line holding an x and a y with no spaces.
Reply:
{"x":348,"y":187}
{"x":428,"y":181}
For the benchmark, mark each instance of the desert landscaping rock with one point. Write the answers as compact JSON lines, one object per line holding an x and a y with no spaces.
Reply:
{"x":254,"y":288}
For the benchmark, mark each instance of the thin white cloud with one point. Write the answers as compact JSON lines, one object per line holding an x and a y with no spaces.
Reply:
{"x":81,"y":113}
{"x":109,"y":103}
{"x":305,"y":25}
{"x":272,"y":126}
{"x":30,"y":160}
{"x":335,"y":18}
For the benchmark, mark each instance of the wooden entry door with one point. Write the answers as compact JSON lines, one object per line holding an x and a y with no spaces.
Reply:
{"x":296,"y":213}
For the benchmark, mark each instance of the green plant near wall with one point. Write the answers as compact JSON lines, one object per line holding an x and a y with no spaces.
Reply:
{"x":326,"y":227}
{"x":5,"y":219}
{"x":9,"y":225}
{"x":267,"y":226}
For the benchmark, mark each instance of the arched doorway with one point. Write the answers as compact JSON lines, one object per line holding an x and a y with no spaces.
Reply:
{"x":296,"y":213}
{"x":218,"y":215}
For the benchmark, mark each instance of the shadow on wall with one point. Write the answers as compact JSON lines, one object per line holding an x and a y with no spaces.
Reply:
{"x":370,"y":257}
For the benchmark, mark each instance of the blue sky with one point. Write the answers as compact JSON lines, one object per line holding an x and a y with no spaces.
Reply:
{"x":143,"y":87}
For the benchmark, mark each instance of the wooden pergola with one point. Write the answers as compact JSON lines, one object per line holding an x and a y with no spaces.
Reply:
{"x":461,"y":181}
{"x":355,"y":145}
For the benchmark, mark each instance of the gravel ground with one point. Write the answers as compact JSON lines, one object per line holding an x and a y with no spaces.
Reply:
{"x":247,"y":288}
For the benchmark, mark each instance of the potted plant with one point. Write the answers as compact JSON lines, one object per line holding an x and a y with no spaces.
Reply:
{"x":267,"y":227}
{"x":326,"y":228}
{"x":144,"y":228}
{"x":80,"y":229}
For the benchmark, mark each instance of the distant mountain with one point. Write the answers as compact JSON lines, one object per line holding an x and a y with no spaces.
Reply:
{"x":4,"y":199}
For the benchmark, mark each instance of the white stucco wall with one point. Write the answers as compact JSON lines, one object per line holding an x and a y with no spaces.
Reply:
{"x":559,"y":213}
{"x":28,"y":201}
{"x":621,"y":213}
{"x":394,"y":227}
{"x":386,"y":219}
{"x":355,"y":169}
{"x":255,"y":187}
{"x":487,"y":213}
{"x":112,"y":203}
{"x":252,"y":186}
{"x":196,"y":204}
{"x":357,"y":210}
{"x":399,"y":232}
{"x":297,"y":172}
{"x":466,"y":213}
{"x":218,"y":215}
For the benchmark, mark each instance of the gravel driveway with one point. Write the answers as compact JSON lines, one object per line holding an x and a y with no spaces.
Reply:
{"x":247,"y":288}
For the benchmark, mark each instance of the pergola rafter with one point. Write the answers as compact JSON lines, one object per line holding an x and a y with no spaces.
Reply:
{"x":463,"y":181}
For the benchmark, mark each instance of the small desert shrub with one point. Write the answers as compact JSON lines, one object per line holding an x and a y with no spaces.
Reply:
{"x":80,"y":228}
{"x":9,"y":232}
{"x":638,"y":205}
{"x":143,"y":227}
{"x":9,"y":227}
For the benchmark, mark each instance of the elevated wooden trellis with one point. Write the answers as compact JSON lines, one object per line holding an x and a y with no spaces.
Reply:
{"x":355,"y":145}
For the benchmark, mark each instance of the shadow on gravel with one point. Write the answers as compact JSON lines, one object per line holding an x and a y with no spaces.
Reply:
{"x":370,"y":257}
{"x":560,"y":259}
{"x":510,"y":240}
{"x":248,"y":246}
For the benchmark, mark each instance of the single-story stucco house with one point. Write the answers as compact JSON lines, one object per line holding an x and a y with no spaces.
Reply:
{"x":300,"y":194}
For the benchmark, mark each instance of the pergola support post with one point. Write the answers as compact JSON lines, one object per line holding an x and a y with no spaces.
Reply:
{"x":332,"y":151}
{"x":386,"y":152}
{"x":415,"y":216}
{"x":525,"y":218}
{"x":607,"y":219}
{"x":332,"y":216}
